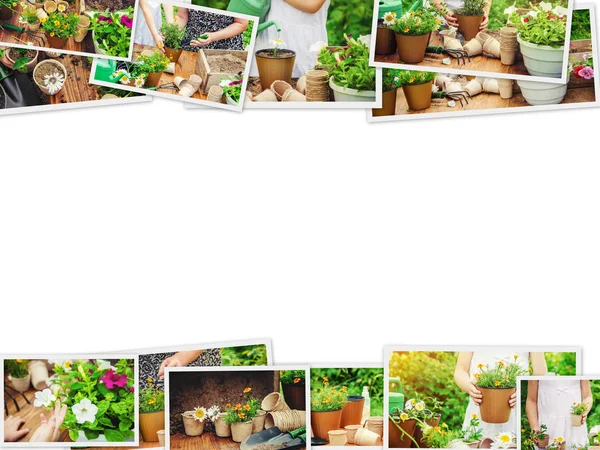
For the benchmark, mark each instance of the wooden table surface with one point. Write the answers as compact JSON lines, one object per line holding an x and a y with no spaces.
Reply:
{"x":185,"y":67}
{"x":481,"y":63}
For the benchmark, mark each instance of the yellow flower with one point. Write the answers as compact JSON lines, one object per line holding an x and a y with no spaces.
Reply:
{"x":297,"y":380}
{"x":477,"y":375}
{"x":241,"y":415}
{"x":228,"y":405}
{"x":403,"y":417}
{"x":516,"y":356}
{"x":474,"y":416}
{"x":480,"y":366}
{"x":52,"y":34}
{"x":247,"y":407}
{"x":325,"y":378}
{"x":248,"y":389}
{"x":496,"y":383}
{"x":238,"y":407}
{"x":501,"y":363}
{"x":19,"y":361}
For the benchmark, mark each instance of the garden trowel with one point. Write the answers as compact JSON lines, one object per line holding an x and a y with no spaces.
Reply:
{"x":275,"y":437}
{"x":18,"y":88}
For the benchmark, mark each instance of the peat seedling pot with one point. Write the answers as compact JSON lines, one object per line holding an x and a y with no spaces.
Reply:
{"x":150,"y":424}
{"x":338,"y":438}
{"x":5,"y":13}
{"x":21,"y":384}
{"x":274,"y":402}
{"x":385,"y":42}
{"x":82,"y":28}
{"x":351,"y":432}
{"x":411,"y":48}
{"x":258,"y":423}
{"x":343,"y":94}
{"x":375,"y":424}
{"x":192,"y":426}
{"x":50,"y":6}
{"x":286,"y":421}
{"x":418,"y":96}
{"x":576,"y":420}
{"x":271,"y":68}
{"x":222,"y":428}
{"x":352,"y":411}
{"x":388,"y":105}
{"x":474,"y":444}
{"x":494,"y":405}
{"x":542,"y":60}
{"x":468,"y":26}
{"x":161,"y":437}
{"x":322,"y":422}
{"x":173,"y":55}
{"x":37,"y":368}
{"x":536,"y":93}
{"x":366,"y":438}
{"x":31,"y":54}
{"x":240,"y":431}
{"x":401,"y":438}
{"x":295,"y":394}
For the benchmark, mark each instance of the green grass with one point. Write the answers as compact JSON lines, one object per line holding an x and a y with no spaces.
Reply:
{"x":581,"y":26}
{"x":247,"y":355}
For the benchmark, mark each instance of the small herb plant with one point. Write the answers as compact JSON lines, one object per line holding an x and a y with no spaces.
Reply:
{"x":173,"y":35}
{"x":152,"y":399}
{"x":112,"y":31}
{"x":541,"y":434}
{"x":544,"y":24}
{"x":390,"y":79}
{"x":472,"y":432}
{"x":242,"y":412}
{"x":439,"y":436}
{"x":17,"y":368}
{"x":502,"y":375}
{"x":22,"y":61}
{"x":29,"y":16}
{"x":328,"y":398}
{"x":232,"y":87}
{"x":292,"y":377}
{"x":350,"y":67}
{"x":414,"y":77}
{"x":577,"y":409}
{"x":418,"y":22}
{"x":61,"y":25}
{"x":472,"y":8}
{"x":144,"y":65}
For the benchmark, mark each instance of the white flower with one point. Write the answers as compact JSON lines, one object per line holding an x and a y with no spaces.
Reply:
{"x":44,"y":398}
{"x":532,"y":13}
{"x":139,"y":82}
{"x":104,"y":364}
{"x":545,"y":6}
{"x":64,"y":363}
{"x":451,"y":104}
{"x":389,"y":18}
{"x":200,"y":414}
{"x":366,"y":39}
{"x":420,"y":406}
{"x":318,"y":46}
{"x":560,"y":11}
{"x":408,"y":405}
{"x":125,"y":79}
{"x":85,"y":411}
{"x":406,"y":15}
{"x":503,"y":440}
{"x":510,"y":10}
{"x":277,"y":43}
{"x":213,"y":413}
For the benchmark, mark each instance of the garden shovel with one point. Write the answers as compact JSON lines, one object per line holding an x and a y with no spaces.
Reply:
{"x":18,"y":88}
{"x":275,"y":437}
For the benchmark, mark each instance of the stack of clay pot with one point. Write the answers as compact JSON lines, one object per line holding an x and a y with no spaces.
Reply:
{"x":367,"y":438}
{"x":317,"y":86}
{"x":215,"y":94}
{"x":286,"y":93}
{"x":490,"y":45}
{"x":505,"y":88}
{"x":187,"y":88}
{"x":289,"y":420}
{"x":474,"y":47}
{"x":508,"y":45}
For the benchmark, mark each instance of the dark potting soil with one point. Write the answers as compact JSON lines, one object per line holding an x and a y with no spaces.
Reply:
{"x":15,"y":54}
{"x":255,"y":88}
{"x":113,"y":5}
{"x":280,"y":53}
{"x":226,"y":63}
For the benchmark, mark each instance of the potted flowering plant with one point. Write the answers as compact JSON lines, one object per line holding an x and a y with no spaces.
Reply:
{"x":403,"y":424}
{"x":557,"y":443}
{"x":469,"y":17}
{"x":99,"y":398}
{"x":22,"y":59}
{"x":144,"y":72}
{"x":18,"y":374}
{"x":293,"y":385}
{"x":427,"y":415}
{"x":152,"y":411}
{"x":350,"y":76}
{"x":193,"y":421}
{"x":541,"y":38}
{"x":232,"y":88}
{"x":222,"y":428}
{"x":577,"y":412}
{"x":50,"y":75}
{"x":472,"y":434}
{"x":497,"y":384}
{"x":275,"y":64}
{"x":241,"y":416}
{"x":417,"y":87}
{"x":385,"y":40}
{"x":30,"y":18}
{"x":111,"y":32}
{"x":581,"y":71}
{"x":439,"y":436}
{"x":60,"y":27}
{"x":390,"y":85}
{"x":7,"y":9}
{"x":413,"y":31}
{"x":540,"y":437}
{"x":173,"y":35}
{"x":326,"y":404}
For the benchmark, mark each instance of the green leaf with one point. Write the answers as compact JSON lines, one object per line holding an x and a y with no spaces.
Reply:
{"x":125,"y":424}
{"x":114,"y":436}
{"x":74,"y":435}
{"x":91,"y":434}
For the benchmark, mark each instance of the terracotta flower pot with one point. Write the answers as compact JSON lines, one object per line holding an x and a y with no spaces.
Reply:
{"x":388,"y":105}
{"x":576,"y":420}
{"x":21,"y":384}
{"x":543,"y":443}
{"x":338,"y":438}
{"x":385,"y":41}
{"x":418,"y":96}
{"x":274,"y":402}
{"x":173,"y":55}
{"x":411,"y":49}
{"x":271,"y":69}
{"x":150,"y":424}
{"x":322,"y":422}
{"x":258,"y":423}
{"x":152,"y":79}
{"x":37,"y":368}
{"x":56,"y":42}
{"x":161,"y":437}
{"x":240,"y":431}
{"x":401,"y":438}
{"x":351,"y":432}
{"x":5,"y":13}
{"x":352,"y":411}
{"x":366,"y":438}
{"x":222,"y":428}
{"x":295,"y":395}
{"x":494,"y":407}
{"x":192,"y":426}
{"x":468,"y":26}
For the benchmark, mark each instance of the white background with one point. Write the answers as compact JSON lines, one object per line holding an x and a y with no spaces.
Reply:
{"x":150,"y":225}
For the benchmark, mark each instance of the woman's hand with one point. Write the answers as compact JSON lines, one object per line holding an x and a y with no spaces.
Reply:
{"x":484,"y":23}
{"x":159,"y":41}
{"x":171,"y":361}
{"x":475,"y":394}
{"x":199,"y":42}
{"x":451,"y":19}
{"x":512,"y":401}
{"x":11,"y":429}
{"x":49,"y":430}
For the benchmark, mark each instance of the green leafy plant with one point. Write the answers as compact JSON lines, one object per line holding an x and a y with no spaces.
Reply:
{"x":61,"y":25}
{"x":473,"y":432}
{"x":292,"y":377}
{"x":502,"y":375}
{"x":173,"y":35}
{"x":417,"y":23}
{"x":577,"y":409}
{"x":244,"y":411}
{"x":145,"y":64}
{"x":16,"y":367}
{"x":349,"y":67}
{"x":581,"y":25}
{"x":232,"y":87}
{"x":152,"y":399}
{"x":10,"y":4}
{"x":22,"y":61}
{"x":327,"y":397}
{"x":390,"y":79}
{"x":439,"y":436}
{"x":29,"y":16}
{"x":472,"y":8}
{"x":99,"y":398}
{"x":247,"y":355}
{"x":112,"y":31}
{"x":414,"y":77}
{"x":543,"y":24}
{"x":540,"y":434}
{"x":247,"y":35}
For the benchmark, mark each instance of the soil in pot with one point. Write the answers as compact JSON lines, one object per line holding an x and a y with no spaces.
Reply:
{"x":411,"y":49}
{"x":468,"y":26}
{"x":494,"y":407}
{"x":151,"y":424}
{"x":295,"y":395}
{"x":418,"y":96}
{"x":385,"y":43}
{"x":352,"y":411}
{"x":388,"y":106}
{"x":322,"y":422}
{"x":40,"y":71}
{"x":113,"y":5}
{"x":13,"y":54}
{"x":173,"y":55}
{"x":401,"y":438}
{"x":240,"y":431}
{"x":271,"y":68}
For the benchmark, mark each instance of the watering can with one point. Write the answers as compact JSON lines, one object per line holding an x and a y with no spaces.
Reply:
{"x":386,"y":6}
{"x":396,"y":401}
{"x":105,"y":69}
{"x":18,"y":89}
{"x":258,"y":8}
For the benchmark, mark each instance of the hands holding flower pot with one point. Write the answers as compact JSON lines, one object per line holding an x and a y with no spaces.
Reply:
{"x":477,"y":396}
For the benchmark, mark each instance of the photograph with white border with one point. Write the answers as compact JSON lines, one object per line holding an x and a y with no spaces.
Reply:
{"x":58,"y":400}
{"x":514,"y":39}
{"x":404,"y":96}
{"x":461,"y":396}
{"x":218,"y":408}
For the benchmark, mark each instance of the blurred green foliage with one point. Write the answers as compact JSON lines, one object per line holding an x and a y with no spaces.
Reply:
{"x":581,"y":25}
{"x":248,"y":33}
{"x":354,"y":379}
{"x":247,"y":355}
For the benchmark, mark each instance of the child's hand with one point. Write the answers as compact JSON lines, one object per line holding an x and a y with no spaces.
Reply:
{"x":475,"y":394}
{"x":11,"y":429}
{"x":484,"y":23}
{"x":203,"y":40}
{"x":49,"y":430}
{"x":159,"y":41}
{"x":451,"y":19}
{"x":512,"y":401}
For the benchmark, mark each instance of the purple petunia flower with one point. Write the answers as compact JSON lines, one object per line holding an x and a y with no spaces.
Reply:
{"x":127,"y":21}
{"x":587,"y":73}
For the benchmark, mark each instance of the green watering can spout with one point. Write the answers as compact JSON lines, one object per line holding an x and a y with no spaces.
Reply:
{"x":271,"y":23}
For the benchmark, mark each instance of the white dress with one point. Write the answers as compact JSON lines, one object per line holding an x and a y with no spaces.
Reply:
{"x":299,"y":30}
{"x":555,"y":398}
{"x":488,"y":358}
{"x":142,"y":32}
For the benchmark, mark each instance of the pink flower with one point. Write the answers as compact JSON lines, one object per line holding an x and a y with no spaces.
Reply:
{"x":127,"y":21}
{"x":587,"y":73}
{"x":104,"y":19}
{"x":111,"y":379}
{"x":131,"y":389}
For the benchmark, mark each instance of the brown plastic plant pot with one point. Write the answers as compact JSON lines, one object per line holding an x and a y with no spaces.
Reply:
{"x":271,"y":68}
{"x":56,"y":42}
{"x":543,"y":443}
{"x":401,"y":437}
{"x":494,"y":407}
{"x":385,"y":42}
{"x":411,"y":49}
{"x":468,"y":26}
{"x":418,"y":436}
{"x":151,"y":424}
{"x":322,"y":422}
{"x":418,"y":96}
{"x":295,"y":394}
{"x":173,"y":55}
{"x":152,"y":79}
{"x":352,"y":411}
